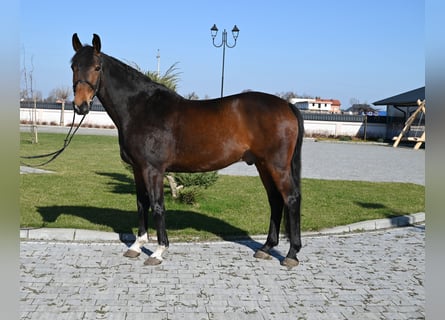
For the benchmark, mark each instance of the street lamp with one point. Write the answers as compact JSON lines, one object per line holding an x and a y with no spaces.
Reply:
{"x":224,"y":44}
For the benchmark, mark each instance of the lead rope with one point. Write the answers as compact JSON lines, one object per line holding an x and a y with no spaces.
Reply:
{"x":55,"y":154}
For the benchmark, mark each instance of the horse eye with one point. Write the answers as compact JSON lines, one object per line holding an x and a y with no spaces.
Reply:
{"x":97,"y":68}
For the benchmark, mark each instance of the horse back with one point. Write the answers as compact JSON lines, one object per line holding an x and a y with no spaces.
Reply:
{"x":211,"y":134}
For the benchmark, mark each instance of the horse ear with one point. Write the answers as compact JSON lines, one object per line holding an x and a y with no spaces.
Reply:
{"x":76,"y":43}
{"x":96,"y":43}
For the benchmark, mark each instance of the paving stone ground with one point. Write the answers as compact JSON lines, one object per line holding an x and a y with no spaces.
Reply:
{"x":369,"y":275}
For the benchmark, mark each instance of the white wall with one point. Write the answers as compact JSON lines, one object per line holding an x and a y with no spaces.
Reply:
{"x":336,"y":128}
{"x":94,"y":118}
{"x":101,"y":119}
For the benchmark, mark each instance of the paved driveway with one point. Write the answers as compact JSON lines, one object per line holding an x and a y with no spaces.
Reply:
{"x":372,"y":275}
{"x":353,"y":161}
{"x":369,"y":275}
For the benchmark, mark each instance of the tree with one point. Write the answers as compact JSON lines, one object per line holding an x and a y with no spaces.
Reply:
{"x":61,"y":93}
{"x":353,"y":101}
{"x":290,"y":95}
{"x":287,"y":95}
{"x":169,"y":79}
{"x":192,"y":96}
{"x":361,"y":108}
{"x":36,"y":95}
{"x":27,"y":92}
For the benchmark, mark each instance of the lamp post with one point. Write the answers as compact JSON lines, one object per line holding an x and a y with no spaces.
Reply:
{"x":224,"y":44}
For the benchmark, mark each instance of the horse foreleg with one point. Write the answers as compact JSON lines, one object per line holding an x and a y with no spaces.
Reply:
{"x":159,"y":218}
{"x":156,"y":194}
{"x":156,"y":257}
{"x":135,"y":249}
{"x":143,"y":204}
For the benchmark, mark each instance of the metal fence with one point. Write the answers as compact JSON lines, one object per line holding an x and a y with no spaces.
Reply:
{"x":306,"y":115}
{"x":342,"y":117}
{"x":56,"y":105}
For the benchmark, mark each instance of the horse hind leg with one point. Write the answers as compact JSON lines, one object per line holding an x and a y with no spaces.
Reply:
{"x":282,"y":194}
{"x":276,"y":211}
{"x":292,"y":220}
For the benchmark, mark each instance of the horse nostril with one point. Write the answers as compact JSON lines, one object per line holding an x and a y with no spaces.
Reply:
{"x":76,"y":108}
{"x":82,"y":109}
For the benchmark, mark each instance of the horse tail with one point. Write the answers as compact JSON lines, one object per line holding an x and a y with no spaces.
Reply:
{"x":295,"y":167}
{"x":296,"y":157}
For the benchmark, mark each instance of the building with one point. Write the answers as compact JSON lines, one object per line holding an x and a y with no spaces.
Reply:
{"x":317,"y":105}
{"x":399,"y":108}
{"x":362,"y":108}
{"x":402,"y":105}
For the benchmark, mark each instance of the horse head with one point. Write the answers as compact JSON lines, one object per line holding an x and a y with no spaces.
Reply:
{"x":87,"y":71}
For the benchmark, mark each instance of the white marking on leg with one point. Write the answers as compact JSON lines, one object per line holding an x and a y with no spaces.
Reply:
{"x":140,"y":241}
{"x":158,"y":253}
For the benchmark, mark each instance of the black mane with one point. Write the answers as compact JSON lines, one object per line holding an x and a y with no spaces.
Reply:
{"x":84,"y":57}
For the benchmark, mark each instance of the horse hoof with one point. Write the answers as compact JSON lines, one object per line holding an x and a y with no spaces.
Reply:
{"x":260,"y":254}
{"x":152,"y":261}
{"x":131,"y":254}
{"x":290,"y":263}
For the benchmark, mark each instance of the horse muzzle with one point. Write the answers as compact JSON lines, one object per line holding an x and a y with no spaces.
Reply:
{"x":83,"y":109}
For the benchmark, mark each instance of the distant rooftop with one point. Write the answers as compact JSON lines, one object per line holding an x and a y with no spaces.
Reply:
{"x":406,"y":99}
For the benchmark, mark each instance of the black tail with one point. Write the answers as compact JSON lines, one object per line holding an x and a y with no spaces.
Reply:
{"x":296,"y":166}
{"x":296,"y":158}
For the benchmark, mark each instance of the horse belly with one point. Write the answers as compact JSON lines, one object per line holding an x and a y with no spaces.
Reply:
{"x":207,"y":153}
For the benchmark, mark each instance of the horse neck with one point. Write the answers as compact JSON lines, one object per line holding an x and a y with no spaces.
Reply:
{"x":116,"y":89}
{"x":117,"y":115}
{"x":122,"y":84}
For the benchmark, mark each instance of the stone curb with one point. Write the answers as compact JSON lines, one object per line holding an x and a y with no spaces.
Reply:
{"x":377,"y":224}
{"x":64,"y":234}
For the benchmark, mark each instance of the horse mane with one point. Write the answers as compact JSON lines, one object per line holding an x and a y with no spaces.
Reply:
{"x":84,"y":57}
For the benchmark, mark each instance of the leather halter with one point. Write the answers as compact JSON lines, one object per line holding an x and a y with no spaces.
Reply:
{"x":95,"y":87}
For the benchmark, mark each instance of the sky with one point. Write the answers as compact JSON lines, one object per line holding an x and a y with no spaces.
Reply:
{"x":344,"y":49}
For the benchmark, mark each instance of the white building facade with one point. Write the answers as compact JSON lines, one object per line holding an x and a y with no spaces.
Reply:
{"x":317,"y":105}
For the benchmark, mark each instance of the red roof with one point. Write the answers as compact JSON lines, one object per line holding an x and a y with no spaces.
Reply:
{"x":334,"y":102}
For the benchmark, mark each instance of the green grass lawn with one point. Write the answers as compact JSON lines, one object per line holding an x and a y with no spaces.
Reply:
{"x":91,"y":189}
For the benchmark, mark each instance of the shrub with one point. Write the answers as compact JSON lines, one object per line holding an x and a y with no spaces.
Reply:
{"x":344,"y":138}
{"x":203,"y":179}
{"x":189,"y":195}
{"x":190,"y":183}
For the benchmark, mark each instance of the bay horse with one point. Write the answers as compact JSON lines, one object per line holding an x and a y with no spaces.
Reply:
{"x":161,"y":131}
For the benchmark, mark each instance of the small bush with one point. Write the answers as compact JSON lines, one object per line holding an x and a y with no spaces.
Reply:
{"x":191,"y":183}
{"x":189,"y":195}
{"x":204,"y":179}
{"x":344,"y":138}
